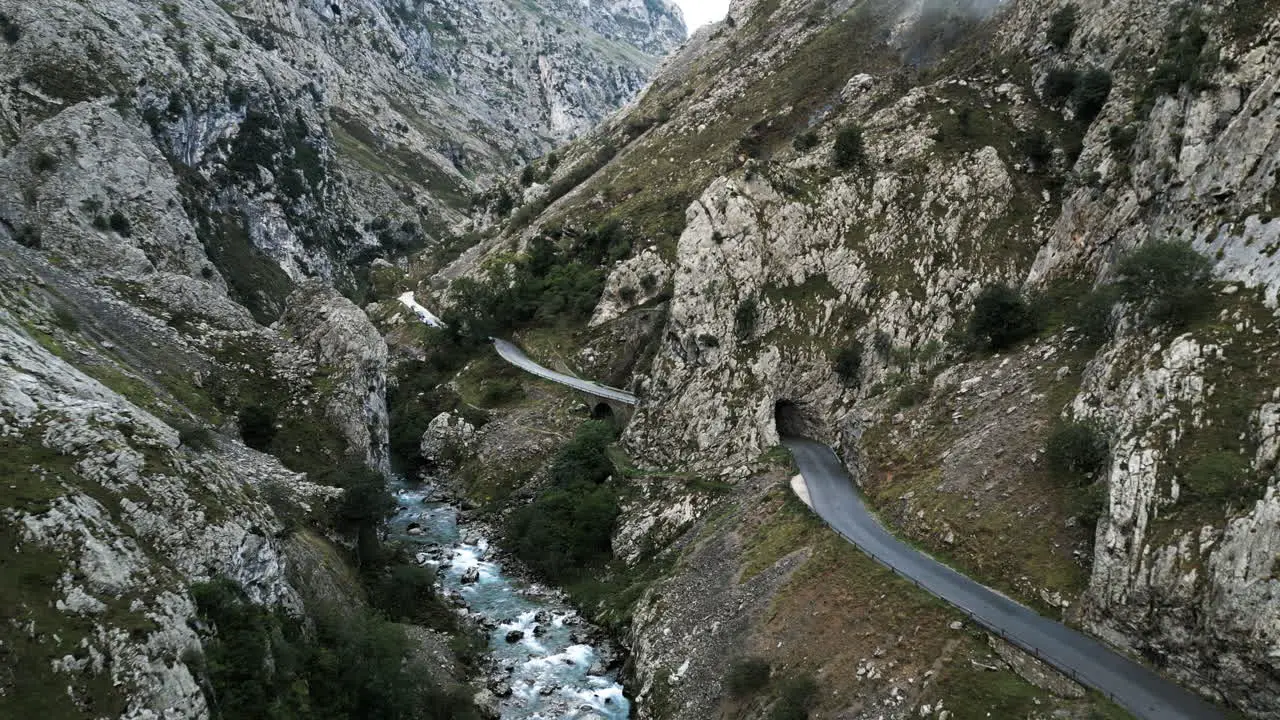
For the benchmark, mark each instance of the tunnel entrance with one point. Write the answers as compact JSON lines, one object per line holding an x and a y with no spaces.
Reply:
{"x":602,"y":411}
{"x":790,"y":420}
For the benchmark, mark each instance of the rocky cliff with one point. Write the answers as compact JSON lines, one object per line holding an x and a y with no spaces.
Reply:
{"x":304,"y":136}
{"x":813,"y":195}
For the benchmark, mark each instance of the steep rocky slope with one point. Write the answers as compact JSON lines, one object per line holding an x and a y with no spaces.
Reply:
{"x":191,"y":197}
{"x":979,"y":143}
{"x":306,"y":136}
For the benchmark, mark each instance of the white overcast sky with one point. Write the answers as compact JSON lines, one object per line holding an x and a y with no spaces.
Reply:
{"x":700,"y":12}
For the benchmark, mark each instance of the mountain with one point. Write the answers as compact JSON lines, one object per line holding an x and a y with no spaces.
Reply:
{"x":194,"y":196}
{"x":1013,"y":260}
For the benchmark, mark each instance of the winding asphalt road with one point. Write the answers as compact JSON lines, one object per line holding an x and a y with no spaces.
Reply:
{"x":516,"y":356}
{"x":1138,"y":689}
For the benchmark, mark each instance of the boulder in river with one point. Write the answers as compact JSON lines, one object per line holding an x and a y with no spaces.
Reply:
{"x":515,"y":636}
{"x":500,"y":689}
{"x":539,"y":631}
{"x":472,"y":575}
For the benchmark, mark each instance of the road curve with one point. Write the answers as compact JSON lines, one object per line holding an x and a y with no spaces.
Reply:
{"x":1136,"y":688}
{"x":514,"y":355}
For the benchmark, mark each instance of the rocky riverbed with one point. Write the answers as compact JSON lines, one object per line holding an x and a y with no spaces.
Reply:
{"x":545,"y":660}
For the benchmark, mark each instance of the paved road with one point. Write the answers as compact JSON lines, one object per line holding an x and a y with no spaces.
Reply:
{"x":834,"y":498}
{"x":1139,"y":690}
{"x":516,"y":356}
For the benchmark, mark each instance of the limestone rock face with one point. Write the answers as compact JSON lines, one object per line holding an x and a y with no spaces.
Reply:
{"x":311,"y":133}
{"x":353,"y":355}
{"x":128,"y":519}
{"x":446,"y":439}
{"x":765,"y":286}
{"x":836,"y":292}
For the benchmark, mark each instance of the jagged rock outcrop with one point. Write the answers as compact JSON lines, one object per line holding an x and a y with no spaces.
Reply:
{"x":306,"y":135}
{"x":837,"y":227}
{"x":447,"y":440}
{"x":112,"y":518}
{"x":353,"y":360}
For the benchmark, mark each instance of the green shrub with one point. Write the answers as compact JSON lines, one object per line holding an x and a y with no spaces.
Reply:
{"x":260,"y":662}
{"x":197,"y":437}
{"x":911,"y":394}
{"x":1169,"y":279}
{"x":9,"y":30}
{"x":805,"y":141}
{"x":796,"y":697}
{"x":258,"y":426}
{"x":585,"y":459}
{"x":1183,"y":59}
{"x":1077,"y":451}
{"x":29,"y":236}
{"x":1217,"y":475}
{"x":500,"y":391}
{"x":407,"y":593}
{"x":1036,"y":147}
{"x":1090,"y":504}
{"x":747,"y":676}
{"x":567,"y":529}
{"x":1059,"y":84}
{"x":849,"y":363}
{"x":1093,"y":315}
{"x":120,"y":224}
{"x":848,"y":151}
{"x":64,"y":318}
{"x":1091,"y":94}
{"x":527,"y":176}
{"x":1062,"y":25}
{"x":744,"y":319}
{"x":1120,"y":140}
{"x":1000,"y":318}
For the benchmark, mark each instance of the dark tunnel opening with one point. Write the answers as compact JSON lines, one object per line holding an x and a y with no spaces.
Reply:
{"x":602,"y":411}
{"x":790,"y":420}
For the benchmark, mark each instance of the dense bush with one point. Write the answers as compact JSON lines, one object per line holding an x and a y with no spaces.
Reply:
{"x":1077,"y":451}
{"x":1093,"y":315}
{"x":747,"y":676}
{"x":567,"y":528}
{"x":527,"y":176}
{"x":1183,"y":59}
{"x":258,"y":426}
{"x":418,"y":395}
{"x":1062,"y":25}
{"x":9,"y":30}
{"x":29,"y":236}
{"x":807,"y":140}
{"x":911,"y":394}
{"x":1059,"y":84}
{"x":1091,"y":95}
{"x":407,"y":593}
{"x":500,"y":391}
{"x":796,"y":697}
{"x":120,"y":224}
{"x":1216,"y":476}
{"x":744,"y":319}
{"x":259,"y":662}
{"x":1169,"y":279}
{"x":849,"y":363}
{"x":1000,"y":318}
{"x":1036,"y":147}
{"x":585,"y":458}
{"x":848,"y":150}
{"x":195,"y":436}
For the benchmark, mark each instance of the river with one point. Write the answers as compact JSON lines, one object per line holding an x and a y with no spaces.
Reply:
{"x":550,"y":671}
